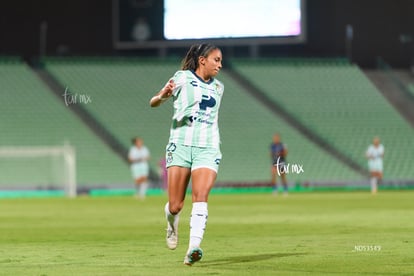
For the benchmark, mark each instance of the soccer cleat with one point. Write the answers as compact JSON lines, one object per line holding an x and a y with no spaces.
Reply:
{"x":193,"y":255}
{"x":172,"y":238}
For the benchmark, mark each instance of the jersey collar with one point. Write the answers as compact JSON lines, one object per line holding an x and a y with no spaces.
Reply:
{"x":200,"y":79}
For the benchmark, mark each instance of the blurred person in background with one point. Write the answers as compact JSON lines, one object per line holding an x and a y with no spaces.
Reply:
{"x":138,"y":157}
{"x":163,"y":173}
{"x":278,"y":153}
{"x":375,"y":155}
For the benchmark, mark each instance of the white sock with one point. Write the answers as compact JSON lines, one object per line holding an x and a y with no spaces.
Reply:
{"x":171,"y":219}
{"x":198,"y":221}
{"x":143,"y":189}
{"x":373,"y":184}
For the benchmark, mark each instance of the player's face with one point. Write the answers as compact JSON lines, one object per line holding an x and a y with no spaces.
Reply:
{"x":212,"y":63}
{"x":138,"y":143}
{"x":376,"y":141}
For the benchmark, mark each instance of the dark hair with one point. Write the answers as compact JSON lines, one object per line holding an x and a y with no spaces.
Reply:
{"x":190,"y":61}
{"x":134,"y":140}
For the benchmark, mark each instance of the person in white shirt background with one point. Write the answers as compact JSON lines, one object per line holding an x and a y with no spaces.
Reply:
{"x":138,"y":157}
{"x":375,"y":155}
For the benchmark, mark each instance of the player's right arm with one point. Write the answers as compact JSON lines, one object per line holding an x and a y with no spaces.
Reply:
{"x":163,"y":94}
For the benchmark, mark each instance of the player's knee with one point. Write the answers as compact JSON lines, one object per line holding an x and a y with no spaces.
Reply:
{"x":175,"y":207}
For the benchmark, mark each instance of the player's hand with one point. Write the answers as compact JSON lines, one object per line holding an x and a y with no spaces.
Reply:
{"x":168,"y":89}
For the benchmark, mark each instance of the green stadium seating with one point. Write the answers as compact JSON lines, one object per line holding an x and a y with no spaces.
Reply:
{"x":33,"y":116}
{"x":331,"y":97}
{"x":410,"y":88}
{"x":120,"y":90}
{"x":335,"y":100}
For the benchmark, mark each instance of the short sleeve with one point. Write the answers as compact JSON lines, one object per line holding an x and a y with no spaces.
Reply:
{"x":179,"y":80}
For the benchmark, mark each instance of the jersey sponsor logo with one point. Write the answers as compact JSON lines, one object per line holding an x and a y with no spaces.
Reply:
{"x":192,"y":119}
{"x":207,"y":101}
{"x":195,"y":83}
{"x":202,"y":115}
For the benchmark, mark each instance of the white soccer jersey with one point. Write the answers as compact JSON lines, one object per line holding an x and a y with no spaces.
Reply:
{"x":375,"y":155}
{"x":196,"y":108}
{"x":138,"y":153}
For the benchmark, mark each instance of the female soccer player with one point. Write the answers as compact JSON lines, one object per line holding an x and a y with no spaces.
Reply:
{"x":375,"y":154}
{"x":278,"y":152}
{"x":138,"y":157}
{"x":194,"y":144}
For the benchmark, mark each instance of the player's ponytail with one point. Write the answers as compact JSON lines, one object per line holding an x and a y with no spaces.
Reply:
{"x":190,"y":61}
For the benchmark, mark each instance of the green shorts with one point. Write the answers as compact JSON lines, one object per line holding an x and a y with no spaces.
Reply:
{"x":192,"y":157}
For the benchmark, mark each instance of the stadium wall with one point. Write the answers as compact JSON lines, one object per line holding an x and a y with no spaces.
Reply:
{"x":85,"y":28}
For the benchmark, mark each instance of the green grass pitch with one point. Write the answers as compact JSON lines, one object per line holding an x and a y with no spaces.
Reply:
{"x":326,"y":233}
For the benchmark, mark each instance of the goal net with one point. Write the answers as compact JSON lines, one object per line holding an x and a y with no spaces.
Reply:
{"x":44,"y":168}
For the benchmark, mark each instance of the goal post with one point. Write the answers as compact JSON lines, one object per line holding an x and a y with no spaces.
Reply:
{"x":38,"y":168}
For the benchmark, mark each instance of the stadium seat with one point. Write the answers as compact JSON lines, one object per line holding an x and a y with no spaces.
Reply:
{"x":33,"y":116}
{"x":121,"y":88}
{"x":335,"y":100}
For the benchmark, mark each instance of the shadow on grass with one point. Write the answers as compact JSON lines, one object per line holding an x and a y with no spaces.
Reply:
{"x":248,"y":258}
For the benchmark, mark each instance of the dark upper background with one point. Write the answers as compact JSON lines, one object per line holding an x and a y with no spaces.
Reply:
{"x":85,"y":28}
